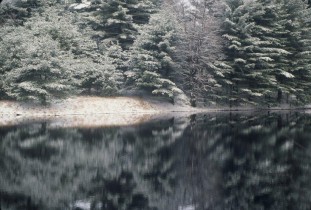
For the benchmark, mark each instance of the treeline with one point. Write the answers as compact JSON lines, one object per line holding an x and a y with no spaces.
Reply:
{"x":228,"y":52}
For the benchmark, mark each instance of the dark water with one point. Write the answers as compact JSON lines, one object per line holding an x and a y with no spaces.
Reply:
{"x":202,"y":162}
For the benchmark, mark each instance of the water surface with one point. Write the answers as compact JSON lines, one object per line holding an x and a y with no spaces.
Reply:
{"x":214,"y":161}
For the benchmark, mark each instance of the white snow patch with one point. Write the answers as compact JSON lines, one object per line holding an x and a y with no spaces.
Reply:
{"x":188,"y":207}
{"x":78,"y":6}
{"x":85,"y":205}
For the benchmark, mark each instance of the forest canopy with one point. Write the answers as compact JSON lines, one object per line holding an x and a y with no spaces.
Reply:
{"x":217,"y":52}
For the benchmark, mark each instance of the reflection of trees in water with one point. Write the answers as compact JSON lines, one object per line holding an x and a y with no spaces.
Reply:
{"x":263,"y":172}
{"x":61,"y":175}
{"x":51,"y":167}
{"x":155,"y":157}
{"x":213,"y":161}
{"x":247,"y":162}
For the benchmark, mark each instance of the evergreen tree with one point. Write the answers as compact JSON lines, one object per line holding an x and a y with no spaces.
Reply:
{"x":31,"y":3}
{"x":38,"y":73}
{"x":95,"y":78}
{"x":12,"y":15}
{"x":32,"y":65}
{"x":262,"y":39}
{"x":152,"y":56}
{"x":118,"y":21}
{"x":273,"y":31}
{"x":52,"y":59}
{"x":115,"y":24}
{"x":140,"y":10}
{"x":300,"y":39}
{"x":235,"y":36}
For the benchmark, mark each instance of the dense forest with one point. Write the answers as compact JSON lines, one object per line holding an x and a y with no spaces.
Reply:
{"x":217,"y":52}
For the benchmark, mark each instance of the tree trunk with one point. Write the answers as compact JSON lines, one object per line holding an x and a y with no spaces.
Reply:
{"x":280,"y":95}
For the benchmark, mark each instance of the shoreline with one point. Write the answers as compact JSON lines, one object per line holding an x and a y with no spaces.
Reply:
{"x":109,"y":112}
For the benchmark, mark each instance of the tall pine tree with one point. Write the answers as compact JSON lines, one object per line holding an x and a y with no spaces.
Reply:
{"x":119,"y":19}
{"x":263,"y":38}
{"x":152,"y":56}
{"x":116,"y":24}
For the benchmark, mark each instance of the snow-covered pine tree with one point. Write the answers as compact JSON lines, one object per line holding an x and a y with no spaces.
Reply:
{"x":272,"y":28}
{"x":12,"y":15}
{"x":266,"y":52}
{"x":40,"y":75}
{"x":285,"y":29}
{"x":51,"y":60}
{"x":152,"y":53}
{"x":115,"y":24}
{"x":236,"y":57}
{"x":300,"y":40}
{"x":31,"y":3}
{"x":260,"y":35}
{"x":140,"y":10}
{"x":94,"y":78}
{"x":35,"y":69}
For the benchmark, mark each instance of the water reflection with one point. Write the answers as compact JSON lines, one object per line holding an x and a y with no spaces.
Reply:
{"x":212,"y":161}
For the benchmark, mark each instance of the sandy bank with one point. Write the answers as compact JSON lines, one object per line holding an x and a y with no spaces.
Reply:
{"x":78,"y":106}
{"x":107,"y":112}
{"x":87,"y":111}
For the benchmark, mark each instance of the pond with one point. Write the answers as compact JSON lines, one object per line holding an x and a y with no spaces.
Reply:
{"x":212,"y":161}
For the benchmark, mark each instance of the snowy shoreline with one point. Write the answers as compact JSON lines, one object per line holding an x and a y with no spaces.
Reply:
{"x":107,"y":112}
{"x":87,"y":111}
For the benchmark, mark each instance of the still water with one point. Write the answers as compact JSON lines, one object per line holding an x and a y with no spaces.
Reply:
{"x":214,"y":161}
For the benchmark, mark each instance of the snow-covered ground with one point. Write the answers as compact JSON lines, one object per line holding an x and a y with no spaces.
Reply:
{"x":83,"y":5}
{"x":88,"y":111}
